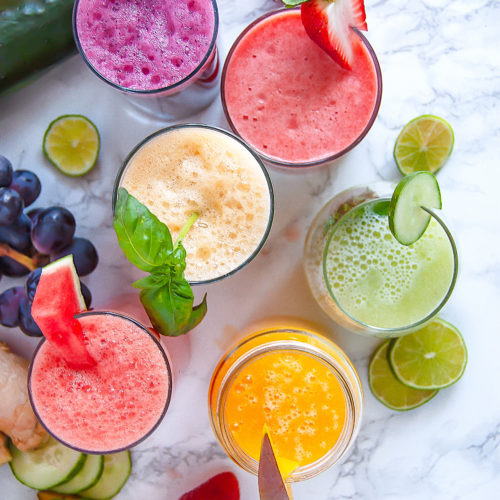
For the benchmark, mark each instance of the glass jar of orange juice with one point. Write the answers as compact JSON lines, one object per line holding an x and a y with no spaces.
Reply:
{"x":300,"y":386}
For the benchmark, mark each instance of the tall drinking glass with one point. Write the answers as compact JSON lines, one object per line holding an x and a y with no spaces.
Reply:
{"x":191,"y":168}
{"x":364,"y":279}
{"x":112,"y":406}
{"x":161,"y":54}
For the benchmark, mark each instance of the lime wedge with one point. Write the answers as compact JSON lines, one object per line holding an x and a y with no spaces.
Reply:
{"x":408,"y":220}
{"x":388,"y":389}
{"x":424,"y":144}
{"x":71,"y":143}
{"x":434,"y":357}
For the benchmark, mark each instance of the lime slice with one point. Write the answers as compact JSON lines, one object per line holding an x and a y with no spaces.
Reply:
{"x":424,"y":144}
{"x":71,"y":143}
{"x":408,"y":220}
{"x":434,"y":357}
{"x":388,"y":389}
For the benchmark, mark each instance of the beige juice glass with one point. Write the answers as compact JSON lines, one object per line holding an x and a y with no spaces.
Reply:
{"x":300,"y":385}
{"x":194,"y":168}
{"x":363,"y":278}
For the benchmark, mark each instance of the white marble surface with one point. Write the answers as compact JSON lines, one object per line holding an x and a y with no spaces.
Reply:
{"x":437,"y":56}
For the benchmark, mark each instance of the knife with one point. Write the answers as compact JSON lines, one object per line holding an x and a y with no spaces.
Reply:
{"x":271,"y":485}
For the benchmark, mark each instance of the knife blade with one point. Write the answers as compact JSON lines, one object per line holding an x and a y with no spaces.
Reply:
{"x":271,"y":485}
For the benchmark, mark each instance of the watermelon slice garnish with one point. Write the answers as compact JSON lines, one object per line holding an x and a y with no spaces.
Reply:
{"x":223,"y":486}
{"x":57,"y":299}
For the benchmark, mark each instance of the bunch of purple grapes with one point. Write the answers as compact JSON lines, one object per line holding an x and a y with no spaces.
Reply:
{"x":42,"y":235}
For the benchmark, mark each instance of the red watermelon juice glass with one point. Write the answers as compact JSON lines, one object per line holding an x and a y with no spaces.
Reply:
{"x":290,"y":101}
{"x":113,"y":405}
{"x":161,"y":53}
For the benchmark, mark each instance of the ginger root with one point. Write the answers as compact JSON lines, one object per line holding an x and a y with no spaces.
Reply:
{"x":17,"y":419}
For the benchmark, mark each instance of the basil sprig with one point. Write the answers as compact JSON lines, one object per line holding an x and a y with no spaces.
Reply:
{"x":293,"y":3}
{"x":165,"y":294}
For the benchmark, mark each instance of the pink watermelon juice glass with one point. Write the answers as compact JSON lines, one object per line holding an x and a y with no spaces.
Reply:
{"x":152,"y":50}
{"x":290,"y":101}
{"x":109,"y":407}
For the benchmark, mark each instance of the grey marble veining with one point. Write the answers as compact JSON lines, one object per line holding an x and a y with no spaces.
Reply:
{"x":437,"y":56}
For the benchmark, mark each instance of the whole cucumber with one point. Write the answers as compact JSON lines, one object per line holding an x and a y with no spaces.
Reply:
{"x":33,"y":35}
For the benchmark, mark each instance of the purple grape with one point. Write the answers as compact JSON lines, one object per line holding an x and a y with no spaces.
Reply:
{"x":5,"y":172}
{"x":34,"y":213}
{"x":84,"y":255}
{"x":32,"y":282}
{"x":87,"y":296}
{"x":27,"y":184}
{"x":12,"y":268}
{"x":9,"y":305}
{"x":53,"y":230}
{"x":17,"y":235}
{"x":26,"y":322}
{"x":11,"y":206}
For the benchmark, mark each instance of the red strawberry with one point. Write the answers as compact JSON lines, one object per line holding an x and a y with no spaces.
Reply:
{"x":223,"y":486}
{"x":328,"y":23}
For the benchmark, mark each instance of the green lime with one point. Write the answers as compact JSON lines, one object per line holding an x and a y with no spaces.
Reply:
{"x":433,"y":357}
{"x":71,"y":143}
{"x":388,"y":389}
{"x":425,"y":143}
{"x":408,"y":220}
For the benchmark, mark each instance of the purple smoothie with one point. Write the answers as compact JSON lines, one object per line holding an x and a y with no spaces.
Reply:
{"x":145,"y":44}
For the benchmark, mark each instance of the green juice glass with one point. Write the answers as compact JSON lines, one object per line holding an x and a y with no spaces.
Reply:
{"x":364,"y":279}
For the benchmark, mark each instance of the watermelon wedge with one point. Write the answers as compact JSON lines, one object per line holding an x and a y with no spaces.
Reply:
{"x":57,"y":299}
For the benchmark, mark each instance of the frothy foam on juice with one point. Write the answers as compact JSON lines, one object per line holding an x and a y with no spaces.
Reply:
{"x":190,"y":170}
{"x":145,"y":44}
{"x":112,"y":405}
{"x":380,"y":282}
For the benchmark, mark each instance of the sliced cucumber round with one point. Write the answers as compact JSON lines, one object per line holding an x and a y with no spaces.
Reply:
{"x":47,"y":466}
{"x":408,"y":217}
{"x":88,"y":476}
{"x":117,"y":468}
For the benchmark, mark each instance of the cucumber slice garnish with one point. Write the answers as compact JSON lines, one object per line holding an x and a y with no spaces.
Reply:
{"x":408,"y":217}
{"x":88,"y":476}
{"x":117,"y":468}
{"x":47,"y":466}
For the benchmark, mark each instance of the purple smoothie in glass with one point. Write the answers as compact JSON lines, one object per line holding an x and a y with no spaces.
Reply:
{"x":145,"y":44}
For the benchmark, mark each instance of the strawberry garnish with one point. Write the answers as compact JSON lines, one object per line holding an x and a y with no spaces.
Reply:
{"x":328,"y":23}
{"x":223,"y":486}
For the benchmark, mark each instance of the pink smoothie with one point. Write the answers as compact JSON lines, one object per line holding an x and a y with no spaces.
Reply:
{"x":108,"y":407}
{"x":145,"y":44}
{"x":289,"y":100}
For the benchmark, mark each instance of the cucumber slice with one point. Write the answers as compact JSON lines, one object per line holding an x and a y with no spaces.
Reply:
{"x":46,"y":467}
{"x":117,"y":468}
{"x":86,"y":478}
{"x":408,"y":217}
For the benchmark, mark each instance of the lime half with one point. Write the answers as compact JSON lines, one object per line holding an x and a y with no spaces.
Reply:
{"x":71,"y":143}
{"x":434,"y":357}
{"x":425,"y":143}
{"x":388,"y":389}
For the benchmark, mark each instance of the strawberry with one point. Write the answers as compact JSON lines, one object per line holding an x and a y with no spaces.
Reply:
{"x":328,"y":23}
{"x":223,"y":486}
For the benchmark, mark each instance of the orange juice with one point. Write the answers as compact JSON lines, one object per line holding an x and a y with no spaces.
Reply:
{"x":299,"y":385}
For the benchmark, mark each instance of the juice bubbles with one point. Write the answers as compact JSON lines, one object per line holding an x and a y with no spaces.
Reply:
{"x":145,"y":44}
{"x":365,"y":279}
{"x":290,"y":101}
{"x":298,"y":384}
{"x":113,"y":405}
{"x":190,"y":169}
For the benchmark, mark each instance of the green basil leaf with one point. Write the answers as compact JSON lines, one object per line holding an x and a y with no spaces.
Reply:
{"x":197,"y":314}
{"x":145,"y":241}
{"x":293,"y":3}
{"x":152,"y":281}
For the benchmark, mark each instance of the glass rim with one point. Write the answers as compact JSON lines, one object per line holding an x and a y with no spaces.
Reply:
{"x":254,"y":154}
{"x":167,"y":401}
{"x":173,"y":86}
{"x":343,"y":375}
{"x":400,"y":330}
{"x":321,"y":161}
